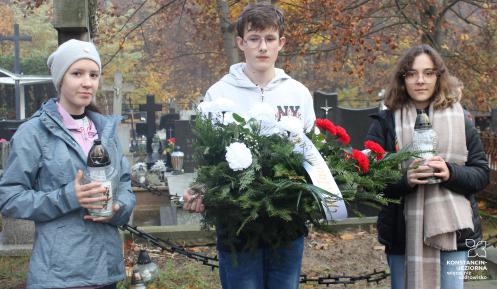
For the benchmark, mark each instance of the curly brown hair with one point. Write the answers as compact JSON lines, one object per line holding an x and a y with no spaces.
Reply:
{"x":443,"y":96}
{"x":260,"y":16}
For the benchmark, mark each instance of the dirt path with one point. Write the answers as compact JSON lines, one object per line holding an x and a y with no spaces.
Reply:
{"x":350,"y":253}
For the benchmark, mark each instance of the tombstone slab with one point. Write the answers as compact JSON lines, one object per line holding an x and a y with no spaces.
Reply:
{"x":124,"y":134}
{"x":16,"y":238}
{"x":185,"y":139}
{"x":177,"y":184}
{"x":17,"y":232}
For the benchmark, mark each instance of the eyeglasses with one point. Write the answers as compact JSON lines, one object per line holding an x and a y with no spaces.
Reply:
{"x":255,"y":41}
{"x":429,"y":76}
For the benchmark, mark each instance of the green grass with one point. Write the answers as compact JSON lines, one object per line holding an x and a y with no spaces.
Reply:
{"x":185,"y":274}
{"x":176,"y":274}
{"x":13,"y":272}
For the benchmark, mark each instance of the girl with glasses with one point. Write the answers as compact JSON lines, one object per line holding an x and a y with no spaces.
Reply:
{"x":428,"y":234}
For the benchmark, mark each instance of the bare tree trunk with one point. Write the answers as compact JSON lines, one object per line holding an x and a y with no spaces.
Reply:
{"x":227,"y":28}
{"x":435,"y":16}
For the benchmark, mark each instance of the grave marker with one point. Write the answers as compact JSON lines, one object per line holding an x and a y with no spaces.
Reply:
{"x":151,"y":108}
{"x":17,"y":38}
{"x":185,"y":139}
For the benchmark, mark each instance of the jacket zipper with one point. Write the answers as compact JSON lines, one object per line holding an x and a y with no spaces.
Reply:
{"x":262,"y":94}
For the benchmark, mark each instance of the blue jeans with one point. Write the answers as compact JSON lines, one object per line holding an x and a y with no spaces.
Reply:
{"x":265,"y":268}
{"x":451,"y":269}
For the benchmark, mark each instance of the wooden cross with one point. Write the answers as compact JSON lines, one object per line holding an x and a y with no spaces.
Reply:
{"x":150,"y":107}
{"x":17,"y":38}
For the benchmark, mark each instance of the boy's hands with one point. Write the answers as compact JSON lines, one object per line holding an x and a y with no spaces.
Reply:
{"x":193,"y":202}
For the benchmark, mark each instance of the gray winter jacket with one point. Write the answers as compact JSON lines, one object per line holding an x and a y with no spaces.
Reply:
{"x":38,"y":185}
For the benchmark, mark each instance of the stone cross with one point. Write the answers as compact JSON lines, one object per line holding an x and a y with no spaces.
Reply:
{"x":151,"y":107}
{"x":118,"y":88}
{"x":17,"y":38}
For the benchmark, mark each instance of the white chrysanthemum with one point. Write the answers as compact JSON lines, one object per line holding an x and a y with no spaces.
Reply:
{"x":139,"y":167}
{"x":159,"y":166}
{"x":238,"y":156}
{"x":291,"y":124}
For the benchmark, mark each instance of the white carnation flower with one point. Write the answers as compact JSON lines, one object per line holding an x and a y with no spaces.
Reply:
{"x":238,"y":156}
{"x":291,"y":124}
{"x":159,"y":166}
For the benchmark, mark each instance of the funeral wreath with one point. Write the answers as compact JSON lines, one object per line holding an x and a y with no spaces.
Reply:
{"x":252,"y":180}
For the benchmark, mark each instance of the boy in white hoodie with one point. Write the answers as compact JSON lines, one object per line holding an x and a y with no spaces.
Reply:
{"x":260,"y":30}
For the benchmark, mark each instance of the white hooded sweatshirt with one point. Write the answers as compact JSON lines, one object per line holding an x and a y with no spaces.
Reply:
{"x":288,"y":96}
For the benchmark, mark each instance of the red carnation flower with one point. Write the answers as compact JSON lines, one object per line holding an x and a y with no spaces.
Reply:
{"x":327,"y":125}
{"x":362,"y":160}
{"x":376,"y":148}
{"x":342,"y":135}
{"x":172,"y":140}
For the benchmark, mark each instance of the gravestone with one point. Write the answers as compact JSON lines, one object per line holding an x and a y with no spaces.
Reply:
{"x":185,"y":139}
{"x":167,"y":123}
{"x":141,"y":129}
{"x":355,"y":121}
{"x":151,"y":108}
{"x":9,"y":127}
{"x":124,"y":135}
{"x":323,"y":104}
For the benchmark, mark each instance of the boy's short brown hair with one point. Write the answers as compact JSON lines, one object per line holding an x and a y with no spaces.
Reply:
{"x":259,"y":17}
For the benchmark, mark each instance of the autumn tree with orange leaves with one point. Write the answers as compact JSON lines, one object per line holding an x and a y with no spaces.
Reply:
{"x":177,"y":49}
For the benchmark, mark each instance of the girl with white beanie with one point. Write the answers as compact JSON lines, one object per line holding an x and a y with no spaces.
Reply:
{"x":43,"y":180}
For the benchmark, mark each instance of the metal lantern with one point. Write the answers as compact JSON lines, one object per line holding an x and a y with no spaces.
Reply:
{"x":177,"y":158}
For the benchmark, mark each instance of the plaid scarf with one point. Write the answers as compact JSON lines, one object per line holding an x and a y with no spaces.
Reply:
{"x":433,"y":213}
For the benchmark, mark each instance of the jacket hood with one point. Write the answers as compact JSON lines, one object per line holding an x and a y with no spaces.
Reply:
{"x":238,"y":78}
